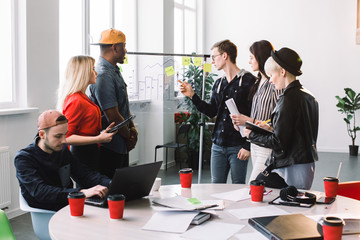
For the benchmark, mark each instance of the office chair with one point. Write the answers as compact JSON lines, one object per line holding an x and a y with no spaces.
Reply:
{"x":349,"y":189}
{"x":6,"y":232}
{"x":183,"y":129}
{"x":40,"y":218}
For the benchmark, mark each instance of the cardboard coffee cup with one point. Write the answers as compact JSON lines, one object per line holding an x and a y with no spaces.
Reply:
{"x":331,"y":186}
{"x":332,"y":228}
{"x":257,"y":190}
{"x":116,"y":203}
{"x":76,"y":203}
{"x":186,"y":177}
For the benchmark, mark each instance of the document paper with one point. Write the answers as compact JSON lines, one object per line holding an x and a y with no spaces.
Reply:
{"x":234,"y":111}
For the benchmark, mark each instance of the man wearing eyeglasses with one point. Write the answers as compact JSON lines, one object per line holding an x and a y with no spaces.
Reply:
{"x":110,"y":94}
{"x":230,"y":151}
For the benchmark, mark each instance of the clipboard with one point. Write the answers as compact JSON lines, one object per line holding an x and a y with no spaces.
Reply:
{"x":257,"y":129}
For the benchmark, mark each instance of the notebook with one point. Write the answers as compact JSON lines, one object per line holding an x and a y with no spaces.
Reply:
{"x":134,"y":182}
{"x":293,"y":226}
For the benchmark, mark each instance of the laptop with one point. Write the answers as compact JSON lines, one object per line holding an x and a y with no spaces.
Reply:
{"x":134,"y":182}
{"x":293,"y":226}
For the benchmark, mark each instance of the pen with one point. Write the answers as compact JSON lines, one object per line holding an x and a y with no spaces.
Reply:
{"x":266,"y":121}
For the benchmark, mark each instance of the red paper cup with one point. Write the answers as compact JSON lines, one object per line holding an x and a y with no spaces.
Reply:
{"x":76,"y":203}
{"x":331,"y":186}
{"x":257,"y":190}
{"x":186,"y":177}
{"x":332,"y":228}
{"x":116,"y":203}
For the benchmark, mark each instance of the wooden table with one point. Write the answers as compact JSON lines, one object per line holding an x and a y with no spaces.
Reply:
{"x":96,"y":224}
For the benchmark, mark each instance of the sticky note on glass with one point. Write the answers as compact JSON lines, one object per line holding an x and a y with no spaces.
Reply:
{"x":169,"y":71}
{"x":207,"y":67}
{"x":197,"y":61}
{"x":126,"y":60}
{"x":186,"y":61}
{"x":120,"y":69}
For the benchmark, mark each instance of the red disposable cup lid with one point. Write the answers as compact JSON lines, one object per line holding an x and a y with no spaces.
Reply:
{"x":116,"y":197}
{"x":333,"y":221}
{"x":186,"y":170}
{"x":331,"y":179}
{"x":76,"y":195}
{"x":257,"y":182}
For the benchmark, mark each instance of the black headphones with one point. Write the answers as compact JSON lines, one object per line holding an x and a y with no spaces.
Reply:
{"x":291,"y":194}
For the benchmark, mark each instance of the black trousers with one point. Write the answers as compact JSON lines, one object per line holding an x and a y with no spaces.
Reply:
{"x":87,"y":154}
{"x":110,"y":160}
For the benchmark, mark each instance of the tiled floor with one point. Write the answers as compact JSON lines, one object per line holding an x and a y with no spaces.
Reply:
{"x":326,"y":166}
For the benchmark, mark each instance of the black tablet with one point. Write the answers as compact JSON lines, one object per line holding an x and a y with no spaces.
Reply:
{"x":255,"y":128}
{"x":123,"y":123}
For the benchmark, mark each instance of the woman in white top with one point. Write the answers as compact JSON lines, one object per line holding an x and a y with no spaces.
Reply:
{"x":264,"y":97}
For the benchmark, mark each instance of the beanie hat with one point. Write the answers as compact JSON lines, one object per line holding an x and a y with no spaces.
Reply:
{"x":289,"y":60}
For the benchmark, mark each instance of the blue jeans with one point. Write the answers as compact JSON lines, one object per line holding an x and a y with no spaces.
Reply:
{"x":222,"y":160}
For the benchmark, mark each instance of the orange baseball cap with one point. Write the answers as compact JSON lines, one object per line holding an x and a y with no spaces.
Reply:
{"x":51,"y":118}
{"x":111,"y":36}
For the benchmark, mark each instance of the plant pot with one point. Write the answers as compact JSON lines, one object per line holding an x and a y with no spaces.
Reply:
{"x":353,"y":150}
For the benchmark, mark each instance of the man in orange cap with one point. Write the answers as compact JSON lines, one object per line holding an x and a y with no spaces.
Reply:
{"x":110,"y":94}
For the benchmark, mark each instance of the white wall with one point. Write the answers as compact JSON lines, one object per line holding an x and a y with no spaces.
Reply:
{"x":321,"y":31}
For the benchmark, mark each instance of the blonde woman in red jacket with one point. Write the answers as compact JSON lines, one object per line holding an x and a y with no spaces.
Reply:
{"x":84,"y":116}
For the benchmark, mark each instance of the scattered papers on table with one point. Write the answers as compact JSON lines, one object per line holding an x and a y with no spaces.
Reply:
{"x":212,"y":231}
{"x":188,"y":204}
{"x":236,"y":195}
{"x":252,"y":235}
{"x":263,"y":211}
{"x":175,"y":222}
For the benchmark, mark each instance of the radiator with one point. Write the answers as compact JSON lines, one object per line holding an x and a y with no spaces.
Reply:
{"x":5,"y":193}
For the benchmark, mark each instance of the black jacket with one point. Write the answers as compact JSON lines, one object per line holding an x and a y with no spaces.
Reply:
{"x":295,"y":121}
{"x":44,"y":178}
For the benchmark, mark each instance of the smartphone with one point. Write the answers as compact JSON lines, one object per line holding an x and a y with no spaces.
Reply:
{"x":325,"y":200}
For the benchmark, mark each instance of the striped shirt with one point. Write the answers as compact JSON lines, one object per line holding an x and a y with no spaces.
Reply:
{"x":264,"y":101}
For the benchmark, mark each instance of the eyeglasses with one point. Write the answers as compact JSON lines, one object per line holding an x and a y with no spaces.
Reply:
{"x":214,"y":56}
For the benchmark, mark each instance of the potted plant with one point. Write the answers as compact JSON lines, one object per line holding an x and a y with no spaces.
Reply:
{"x":194,"y":76}
{"x":349,"y":105}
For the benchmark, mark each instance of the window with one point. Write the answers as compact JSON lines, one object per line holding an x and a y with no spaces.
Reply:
{"x":7,"y":82}
{"x":185,"y":26}
{"x":82,"y":21}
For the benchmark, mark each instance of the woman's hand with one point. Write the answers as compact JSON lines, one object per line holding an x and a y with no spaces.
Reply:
{"x":104,"y":136}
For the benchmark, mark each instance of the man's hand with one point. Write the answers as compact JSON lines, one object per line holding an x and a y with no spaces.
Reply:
{"x":239,"y":119}
{"x":99,"y":190}
{"x":186,"y":89}
{"x":131,"y":142}
{"x":244,"y":154}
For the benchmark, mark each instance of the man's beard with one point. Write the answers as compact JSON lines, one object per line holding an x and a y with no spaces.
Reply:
{"x":52,"y":148}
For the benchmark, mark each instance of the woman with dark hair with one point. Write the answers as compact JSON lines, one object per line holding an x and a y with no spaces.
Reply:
{"x":264,"y":97}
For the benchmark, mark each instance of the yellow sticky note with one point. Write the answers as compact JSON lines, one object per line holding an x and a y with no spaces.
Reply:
{"x":126,"y":60}
{"x":207,"y":67}
{"x":186,"y":61}
{"x":120,"y":69}
{"x":197,"y":61}
{"x":169,"y":71}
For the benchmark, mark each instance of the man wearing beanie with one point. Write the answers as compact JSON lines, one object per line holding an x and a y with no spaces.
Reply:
{"x":110,"y":94}
{"x":44,"y":167}
{"x":294,"y":123}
